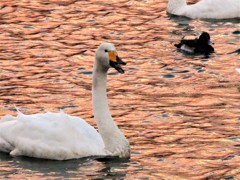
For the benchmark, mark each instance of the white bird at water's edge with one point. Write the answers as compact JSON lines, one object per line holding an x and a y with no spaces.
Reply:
{"x":59,"y":136}
{"x":205,"y":9}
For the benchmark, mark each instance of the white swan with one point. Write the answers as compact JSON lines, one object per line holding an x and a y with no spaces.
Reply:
{"x":209,"y":9}
{"x":59,"y":136}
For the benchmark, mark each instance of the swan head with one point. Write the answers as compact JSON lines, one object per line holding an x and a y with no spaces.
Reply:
{"x":106,"y":57}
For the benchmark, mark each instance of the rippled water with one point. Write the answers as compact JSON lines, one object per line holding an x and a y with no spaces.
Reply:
{"x":181,"y":113}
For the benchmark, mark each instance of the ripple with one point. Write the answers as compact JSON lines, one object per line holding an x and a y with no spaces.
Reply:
{"x":179,"y":111}
{"x":236,"y":32}
{"x":186,"y":77}
{"x":66,"y":106}
{"x":168,"y":76}
{"x":236,"y":51}
{"x":182,"y":72}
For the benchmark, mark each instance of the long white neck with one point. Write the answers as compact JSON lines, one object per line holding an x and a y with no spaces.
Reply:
{"x":115,"y":142}
{"x":174,"y":6}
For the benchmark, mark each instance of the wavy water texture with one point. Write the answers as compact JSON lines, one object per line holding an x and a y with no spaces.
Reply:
{"x":181,"y":113}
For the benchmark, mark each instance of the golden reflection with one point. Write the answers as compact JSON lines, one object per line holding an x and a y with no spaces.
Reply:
{"x":180,"y":113}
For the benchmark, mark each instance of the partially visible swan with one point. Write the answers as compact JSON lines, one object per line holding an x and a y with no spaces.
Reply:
{"x":59,"y":136}
{"x":209,"y":9}
{"x":199,"y":45}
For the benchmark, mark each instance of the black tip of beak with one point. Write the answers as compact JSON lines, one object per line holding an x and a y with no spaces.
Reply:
{"x":117,"y":65}
{"x":120,"y":61}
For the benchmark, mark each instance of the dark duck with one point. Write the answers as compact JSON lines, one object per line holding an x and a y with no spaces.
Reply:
{"x":199,"y":45}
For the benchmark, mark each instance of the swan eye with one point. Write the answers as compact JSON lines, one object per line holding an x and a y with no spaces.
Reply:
{"x":106,"y":50}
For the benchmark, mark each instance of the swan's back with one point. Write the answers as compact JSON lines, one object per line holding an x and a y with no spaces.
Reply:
{"x":217,"y":9}
{"x":51,"y":136}
{"x":209,"y":9}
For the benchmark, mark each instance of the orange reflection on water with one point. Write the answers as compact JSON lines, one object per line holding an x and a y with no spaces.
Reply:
{"x":179,"y":112}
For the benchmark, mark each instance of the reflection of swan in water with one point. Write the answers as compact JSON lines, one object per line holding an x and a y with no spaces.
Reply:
{"x":114,"y":168}
{"x":60,"y":136}
{"x":26,"y":165}
{"x":101,"y":168}
{"x":209,"y":9}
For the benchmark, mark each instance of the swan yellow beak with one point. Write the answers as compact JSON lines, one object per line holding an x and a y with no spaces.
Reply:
{"x":112,"y":56}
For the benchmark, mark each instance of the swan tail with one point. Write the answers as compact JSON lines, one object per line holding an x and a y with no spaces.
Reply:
{"x":5,"y":146}
{"x":17,"y":109}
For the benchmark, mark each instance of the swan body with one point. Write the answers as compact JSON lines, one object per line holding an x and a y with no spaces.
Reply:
{"x":206,"y":9}
{"x":59,"y":136}
{"x":50,"y":136}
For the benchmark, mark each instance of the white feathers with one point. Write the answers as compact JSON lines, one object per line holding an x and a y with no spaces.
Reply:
{"x":209,"y":9}
{"x":187,"y":49}
{"x":51,"y":136}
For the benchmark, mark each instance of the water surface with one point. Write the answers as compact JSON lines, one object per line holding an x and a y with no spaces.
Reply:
{"x":180,"y":112}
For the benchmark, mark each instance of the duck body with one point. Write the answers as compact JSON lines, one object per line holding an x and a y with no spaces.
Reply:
{"x":205,"y":9}
{"x":199,"y":45}
{"x":59,"y":136}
